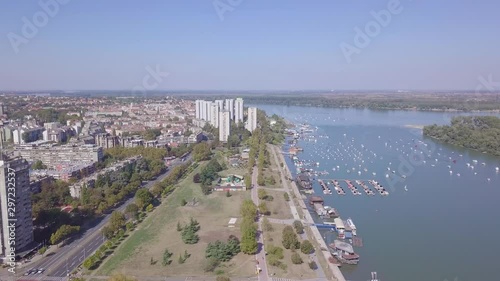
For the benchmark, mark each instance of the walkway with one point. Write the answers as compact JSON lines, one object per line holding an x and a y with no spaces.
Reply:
{"x":260,"y":256}
{"x":308,"y":220}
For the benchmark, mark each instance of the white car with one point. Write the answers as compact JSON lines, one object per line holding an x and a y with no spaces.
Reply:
{"x":40,"y":270}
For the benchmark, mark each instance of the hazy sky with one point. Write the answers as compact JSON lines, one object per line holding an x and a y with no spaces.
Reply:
{"x":254,"y":45}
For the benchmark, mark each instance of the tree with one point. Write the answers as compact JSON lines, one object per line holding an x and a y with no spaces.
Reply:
{"x":298,"y":227}
{"x":183,"y":202}
{"x":228,"y":194}
{"x":117,"y":221}
{"x":62,"y":233}
{"x":201,"y":151}
{"x":262,"y":194}
{"x":286,"y":196}
{"x":143,"y":198}
{"x":296,"y":259}
{"x":306,"y":247}
{"x":289,"y":238}
{"x":38,"y":165}
{"x":166,"y":258}
{"x":188,"y":233}
{"x":90,"y":262}
{"x":107,"y":232}
{"x":263,"y":209}
{"x":223,"y":251}
{"x":132,"y":210}
{"x":313,"y":265}
{"x":149,"y":208}
{"x":210,"y":264}
{"x":197,"y":178}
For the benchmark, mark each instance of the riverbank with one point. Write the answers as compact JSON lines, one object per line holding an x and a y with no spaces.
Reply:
{"x":313,"y":233}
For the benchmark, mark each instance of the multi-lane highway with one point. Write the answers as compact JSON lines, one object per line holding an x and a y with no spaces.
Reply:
{"x":69,"y":257}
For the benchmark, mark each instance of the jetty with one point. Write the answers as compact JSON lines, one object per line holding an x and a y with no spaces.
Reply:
{"x":379,"y":187}
{"x":337,"y":187}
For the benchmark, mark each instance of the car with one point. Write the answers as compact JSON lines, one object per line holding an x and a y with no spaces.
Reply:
{"x":28,"y":272}
{"x":32,"y":271}
{"x":40,"y":270}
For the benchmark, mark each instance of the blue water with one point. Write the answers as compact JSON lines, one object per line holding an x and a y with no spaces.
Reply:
{"x":444,"y":227}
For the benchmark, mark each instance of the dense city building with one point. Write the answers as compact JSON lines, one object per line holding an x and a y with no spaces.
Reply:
{"x":251,"y":124}
{"x":53,"y":156}
{"x":238,"y":110}
{"x":15,"y":188}
{"x":224,"y":126}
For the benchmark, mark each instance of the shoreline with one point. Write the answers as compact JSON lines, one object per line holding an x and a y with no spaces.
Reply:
{"x":421,"y":127}
{"x":316,"y":235}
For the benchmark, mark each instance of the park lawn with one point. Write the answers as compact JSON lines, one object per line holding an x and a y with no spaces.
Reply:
{"x":278,"y":207}
{"x":159,"y":232}
{"x":293,"y":271}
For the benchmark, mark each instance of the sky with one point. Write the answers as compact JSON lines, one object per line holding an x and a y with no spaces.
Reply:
{"x":248,"y":44}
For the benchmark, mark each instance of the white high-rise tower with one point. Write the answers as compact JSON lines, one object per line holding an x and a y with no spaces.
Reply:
{"x":214,"y":115}
{"x":251,"y":119}
{"x":229,"y":105}
{"x":224,"y":126}
{"x":238,"y":110}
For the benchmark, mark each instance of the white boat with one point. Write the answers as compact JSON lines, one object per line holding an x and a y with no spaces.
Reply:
{"x":406,"y":189}
{"x":350,"y":223}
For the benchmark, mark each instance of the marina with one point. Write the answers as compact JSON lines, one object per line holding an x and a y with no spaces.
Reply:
{"x":401,"y":170}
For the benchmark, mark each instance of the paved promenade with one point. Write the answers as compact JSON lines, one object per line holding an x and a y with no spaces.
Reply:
{"x":307,"y":216}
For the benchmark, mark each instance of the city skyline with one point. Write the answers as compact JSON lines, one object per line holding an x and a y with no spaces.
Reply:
{"x":257,"y":45}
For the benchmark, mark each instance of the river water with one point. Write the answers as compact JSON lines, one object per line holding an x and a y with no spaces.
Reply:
{"x":446,"y":225}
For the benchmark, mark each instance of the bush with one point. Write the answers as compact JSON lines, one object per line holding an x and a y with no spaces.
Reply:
{"x":306,"y":247}
{"x":296,"y":259}
{"x":298,"y":227}
{"x":262,"y":194}
{"x":275,"y":251}
{"x":289,"y":238}
{"x":197,"y":178}
{"x":313,"y":265}
{"x":183,"y":202}
{"x":42,"y":250}
{"x":166,"y":258}
{"x":149,"y":208}
{"x":287,"y":197}
{"x":266,"y":225}
{"x":210,"y":264}
{"x":222,"y":278}
{"x":228,"y":194}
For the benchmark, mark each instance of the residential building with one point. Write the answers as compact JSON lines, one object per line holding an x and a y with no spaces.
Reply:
{"x":198,"y":109}
{"x":214,"y":113}
{"x":238,"y":110}
{"x":220,"y":103}
{"x":251,"y":119}
{"x":16,"y":221}
{"x":52,"y":155}
{"x":106,"y":140}
{"x":24,"y":135}
{"x":224,"y":126}
{"x":229,"y":105}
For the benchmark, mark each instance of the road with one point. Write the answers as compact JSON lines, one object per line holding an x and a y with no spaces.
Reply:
{"x":260,"y":256}
{"x":69,"y":257}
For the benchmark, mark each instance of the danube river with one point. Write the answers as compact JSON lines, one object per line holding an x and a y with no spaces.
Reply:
{"x":441,"y":218}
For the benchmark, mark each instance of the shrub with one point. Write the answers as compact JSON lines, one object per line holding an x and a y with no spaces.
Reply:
{"x":266,"y":225}
{"x":183,"y":202}
{"x":275,"y":251}
{"x":298,"y":227}
{"x":306,"y":247}
{"x":166,"y":258}
{"x":222,"y":278}
{"x":313,"y":265}
{"x":210,"y":264}
{"x":296,"y":259}
{"x":197,"y":178}
{"x":287,"y":197}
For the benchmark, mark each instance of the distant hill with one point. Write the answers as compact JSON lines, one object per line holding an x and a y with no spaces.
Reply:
{"x":475,"y":132}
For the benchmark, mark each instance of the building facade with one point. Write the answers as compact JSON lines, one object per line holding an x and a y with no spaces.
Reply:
{"x":214,"y":114}
{"x":52,"y":156}
{"x":224,"y":126}
{"x":229,"y":105}
{"x":238,"y":110}
{"x":15,"y":206}
{"x":251,"y":119}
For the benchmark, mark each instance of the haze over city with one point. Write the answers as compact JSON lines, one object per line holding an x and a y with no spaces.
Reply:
{"x":252,"y":45}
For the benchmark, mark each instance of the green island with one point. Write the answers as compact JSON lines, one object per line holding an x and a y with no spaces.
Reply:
{"x":480,"y":133}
